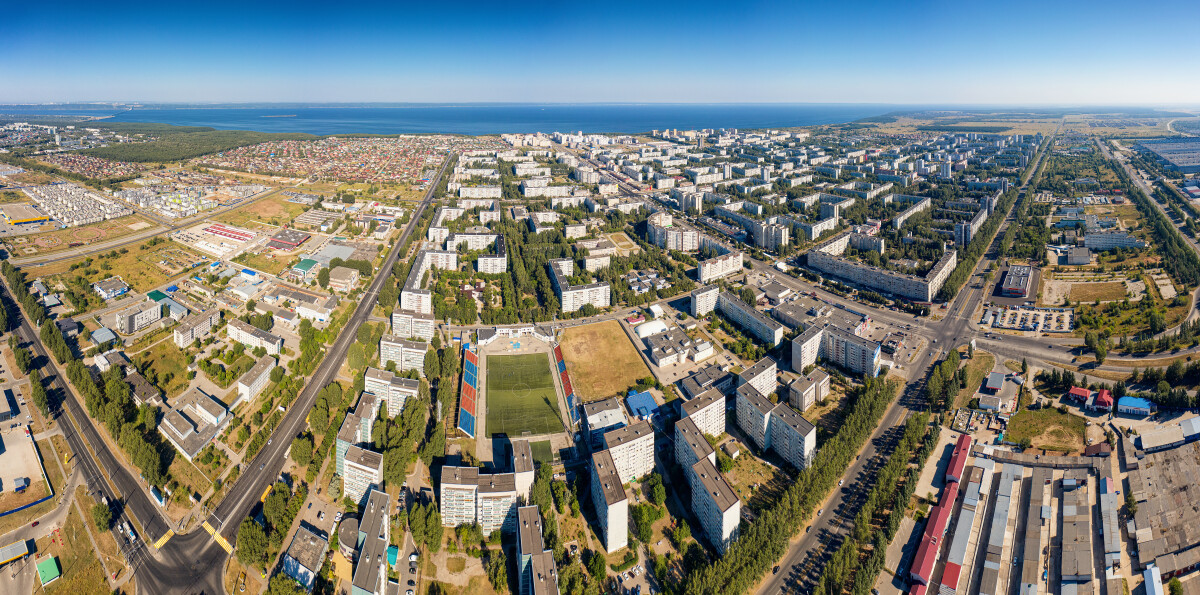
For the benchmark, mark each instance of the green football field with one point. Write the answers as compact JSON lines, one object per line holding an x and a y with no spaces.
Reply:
{"x":520,"y":396}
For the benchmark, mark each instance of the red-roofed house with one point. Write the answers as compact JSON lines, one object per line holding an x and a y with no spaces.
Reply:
{"x":1103,"y":401}
{"x":950,"y":577}
{"x":1078,"y":393}
{"x":931,"y":540}
{"x":917,"y":589}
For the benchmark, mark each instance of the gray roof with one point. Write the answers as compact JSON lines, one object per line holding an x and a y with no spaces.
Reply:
{"x":308,"y":548}
{"x":784,"y":413}
{"x":263,"y":366}
{"x":606,"y":472}
{"x":760,"y":367}
{"x":757,"y":399}
{"x":497,"y":483}
{"x":716,"y":487}
{"x":460,"y":476}
{"x":619,"y":436}
{"x":686,"y":430}
{"x":254,"y":331}
{"x":522,"y":456}
{"x":544,"y":574}
{"x":529,"y":530}
{"x":374,"y":549}
{"x":364,"y":458}
{"x":702,"y":401}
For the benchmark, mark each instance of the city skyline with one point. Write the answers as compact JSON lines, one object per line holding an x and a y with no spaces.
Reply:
{"x":932,"y":53}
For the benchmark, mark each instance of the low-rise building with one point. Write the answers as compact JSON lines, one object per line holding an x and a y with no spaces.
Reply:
{"x":305,"y":556}
{"x":192,"y":420}
{"x":252,"y":336}
{"x":343,"y":279}
{"x":138,"y":316}
{"x":252,"y":382}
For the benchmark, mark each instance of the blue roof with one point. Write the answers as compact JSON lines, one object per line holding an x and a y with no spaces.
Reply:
{"x":1136,"y":402}
{"x":641,"y":404}
{"x":172,"y":289}
{"x":103,"y":335}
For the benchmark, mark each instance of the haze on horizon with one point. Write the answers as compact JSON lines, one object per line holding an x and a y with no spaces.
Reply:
{"x":928,"y":52}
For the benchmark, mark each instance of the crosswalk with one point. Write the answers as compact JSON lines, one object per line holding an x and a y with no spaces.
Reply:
{"x":217,"y":536}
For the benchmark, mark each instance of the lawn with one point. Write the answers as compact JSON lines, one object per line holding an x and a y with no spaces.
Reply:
{"x":81,"y":570}
{"x":267,"y":261}
{"x":542,"y":452}
{"x":1048,"y":429}
{"x":601,"y":361}
{"x":166,"y":359}
{"x":520,"y":396}
{"x":273,"y":209}
{"x":1108,"y":291}
{"x":58,"y":240}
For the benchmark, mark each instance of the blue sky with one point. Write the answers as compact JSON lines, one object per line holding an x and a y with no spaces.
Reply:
{"x":1043,"y":52}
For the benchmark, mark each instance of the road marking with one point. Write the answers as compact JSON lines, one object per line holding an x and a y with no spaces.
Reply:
{"x":163,"y":540}
{"x":209,"y":528}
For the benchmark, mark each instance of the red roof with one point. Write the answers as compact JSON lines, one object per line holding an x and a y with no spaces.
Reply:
{"x":1104,"y":398}
{"x":958,"y":460}
{"x":1079,"y":393}
{"x":917,"y":589}
{"x":931,"y":541}
{"x":950,"y":576}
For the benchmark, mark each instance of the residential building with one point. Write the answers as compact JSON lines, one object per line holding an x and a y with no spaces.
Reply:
{"x":192,"y":420}
{"x":610,"y":502}
{"x":252,"y":382}
{"x":707,"y":411}
{"x":412,"y":296}
{"x":807,"y":390}
{"x":704,"y":300}
{"x":469,"y":496}
{"x":713,"y":500}
{"x":196,"y":326}
{"x":252,"y":336}
{"x":756,"y":323}
{"x":391,"y":390}
{"x":408,"y":324}
{"x":775,"y":427}
{"x":1107,"y":240}
{"x":305,"y":556}
{"x":408,"y":355}
{"x":456,"y":500}
{"x":536,"y":570}
{"x":827,"y":257}
{"x":574,"y":297}
{"x":836,"y":345}
{"x":523,"y":468}
{"x":632,"y":450}
{"x":711,"y":269}
{"x":370,"y":570}
{"x":664,"y":232}
{"x":761,"y":376}
{"x":363,"y":471}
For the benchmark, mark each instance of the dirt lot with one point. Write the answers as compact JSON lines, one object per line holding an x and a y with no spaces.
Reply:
{"x":19,"y":459}
{"x":273,"y":209}
{"x":45,"y":242}
{"x":1048,"y":429}
{"x":600,"y":360}
{"x":1105,"y":292}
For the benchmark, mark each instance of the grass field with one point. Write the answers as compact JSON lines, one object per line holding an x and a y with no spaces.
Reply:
{"x":165,"y":358}
{"x":1048,"y":429}
{"x":273,"y":209}
{"x":978,"y":367}
{"x":521,"y":396}
{"x":267,"y":261}
{"x":542,"y":452}
{"x":81,"y":570}
{"x":46,"y":242}
{"x":1090,"y":292}
{"x":143,"y":267}
{"x":601,"y":360}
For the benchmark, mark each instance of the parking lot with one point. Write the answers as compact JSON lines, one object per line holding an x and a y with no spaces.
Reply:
{"x":1024,"y":318}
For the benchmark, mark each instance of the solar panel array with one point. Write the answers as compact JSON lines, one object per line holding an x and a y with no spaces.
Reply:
{"x":572,"y":400}
{"x":469,"y":391}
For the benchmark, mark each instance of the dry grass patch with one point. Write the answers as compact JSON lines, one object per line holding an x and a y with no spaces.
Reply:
{"x":1049,"y":429}
{"x":1107,"y":291}
{"x":600,"y":360}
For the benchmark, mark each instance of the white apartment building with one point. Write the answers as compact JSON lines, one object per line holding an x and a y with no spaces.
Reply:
{"x":720,"y":266}
{"x":632,"y":450}
{"x":664,"y":232}
{"x":704,"y":300}
{"x":408,"y":355}
{"x":807,"y":390}
{"x":252,"y":382}
{"x":610,"y":501}
{"x":412,"y":296}
{"x":761,"y":376}
{"x":408,"y":324}
{"x":749,"y":318}
{"x":363,"y":471}
{"x":826,"y":257}
{"x":753,"y":413}
{"x":252,"y":336}
{"x":394,"y":390}
{"x":456,"y":499}
{"x":468,"y":496}
{"x":573,"y":297}
{"x":707,"y":411}
{"x":714,"y":502}
{"x":1107,"y":240}
{"x":196,"y":326}
{"x":836,"y":345}
{"x":776,"y":427}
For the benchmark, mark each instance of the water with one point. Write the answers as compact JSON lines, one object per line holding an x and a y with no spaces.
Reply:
{"x":474,"y":119}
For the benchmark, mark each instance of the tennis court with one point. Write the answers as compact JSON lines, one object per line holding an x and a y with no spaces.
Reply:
{"x":521,"y":399}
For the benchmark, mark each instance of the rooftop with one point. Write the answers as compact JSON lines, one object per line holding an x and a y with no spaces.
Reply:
{"x":606,"y":472}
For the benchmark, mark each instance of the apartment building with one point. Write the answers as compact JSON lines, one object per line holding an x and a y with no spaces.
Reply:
{"x":574,"y":297}
{"x":253,"y":381}
{"x":523,"y":467}
{"x":252,"y":336}
{"x":707,"y":411}
{"x":719,"y":267}
{"x":838,"y":346}
{"x":409,"y":324}
{"x":704,"y":300}
{"x":826,"y":257}
{"x":457,"y":495}
{"x":391,"y":390}
{"x":362,"y":472}
{"x":412,"y":296}
{"x":494,"y":264}
{"x":536,"y":570}
{"x":610,"y":502}
{"x":747,"y":317}
{"x":138,"y":316}
{"x":1107,"y":240}
{"x":469,"y":496}
{"x":408,"y":355}
{"x":808,"y":389}
{"x":761,"y":376}
{"x":196,"y":326}
{"x":713,"y":501}
{"x":775,"y":427}
{"x":370,"y":570}
{"x":632,"y":450}
{"x":664,"y":232}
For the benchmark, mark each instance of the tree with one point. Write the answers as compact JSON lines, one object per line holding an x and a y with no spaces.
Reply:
{"x":433,"y":365}
{"x":277,"y":374}
{"x":1174,"y":586}
{"x":434,"y":530}
{"x":282,"y":584}
{"x":302,"y":450}
{"x":1024,"y":367}
{"x":38,"y":393}
{"x":24,"y":359}
{"x":417,"y":521}
{"x":323,"y":278}
{"x":595,"y":564}
{"x":275,"y":508}
{"x":656,"y":489}
{"x":251,"y":544}
{"x":101,"y":516}
{"x":496,"y":566}
{"x":1130,"y":503}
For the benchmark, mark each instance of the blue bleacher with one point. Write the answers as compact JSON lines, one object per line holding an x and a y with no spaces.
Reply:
{"x":562,"y":366}
{"x":573,"y":408}
{"x":466,"y":422}
{"x":470,"y":367}
{"x":470,"y":379}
